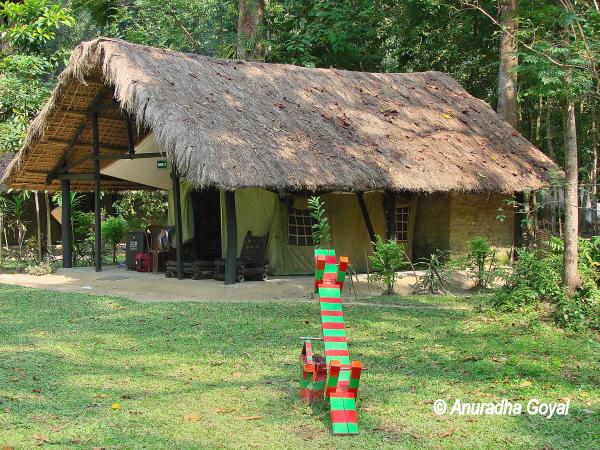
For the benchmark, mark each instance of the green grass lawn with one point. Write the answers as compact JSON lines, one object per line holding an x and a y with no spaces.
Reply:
{"x":225,"y":375}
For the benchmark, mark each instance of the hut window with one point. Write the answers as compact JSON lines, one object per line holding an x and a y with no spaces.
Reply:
{"x":402,"y":223}
{"x":401,"y":218}
{"x":300,"y":227}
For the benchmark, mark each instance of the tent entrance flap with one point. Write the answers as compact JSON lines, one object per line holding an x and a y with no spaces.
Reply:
{"x":206,"y":205}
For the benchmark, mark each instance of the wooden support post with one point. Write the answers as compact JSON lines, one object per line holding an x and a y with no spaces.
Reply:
{"x":363,"y":207}
{"x":130,"y":143}
{"x":519,"y":216}
{"x":67,"y":238}
{"x":97,"y":206}
{"x":390,"y":203}
{"x":178,"y":221}
{"x":231,"y":257}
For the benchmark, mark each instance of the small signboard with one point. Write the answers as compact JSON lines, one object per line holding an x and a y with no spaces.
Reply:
{"x":161,"y":164}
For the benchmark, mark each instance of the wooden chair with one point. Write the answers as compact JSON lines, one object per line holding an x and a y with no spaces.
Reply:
{"x":252,"y":263}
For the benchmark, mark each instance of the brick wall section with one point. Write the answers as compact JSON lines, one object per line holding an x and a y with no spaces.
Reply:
{"x":474,"y":215}
{"x":432,"y":226}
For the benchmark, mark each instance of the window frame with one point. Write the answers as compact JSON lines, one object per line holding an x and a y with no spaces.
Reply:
{"x":302,"y":235}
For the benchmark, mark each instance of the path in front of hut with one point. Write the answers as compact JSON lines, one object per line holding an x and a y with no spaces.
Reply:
{"x":148,"y":287}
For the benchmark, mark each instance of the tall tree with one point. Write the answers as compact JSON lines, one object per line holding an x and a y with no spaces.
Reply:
{"x":570,"y":273}
{"x":251,"y":17}
{"x":509,"y":62}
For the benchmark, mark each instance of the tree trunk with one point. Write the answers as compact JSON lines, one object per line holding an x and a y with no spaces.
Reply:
{"x":549,"y":135}
{"x":251,"y":16}
{"x":594,"y":171}
{"x":509,"y":61}
{"x":570,"y":270}
{"x":38,"y":225}
{"x":48,"y":225}
{"x":538,"y":122}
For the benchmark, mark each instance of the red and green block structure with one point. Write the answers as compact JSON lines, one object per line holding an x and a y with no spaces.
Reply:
{"x":333,"y":377}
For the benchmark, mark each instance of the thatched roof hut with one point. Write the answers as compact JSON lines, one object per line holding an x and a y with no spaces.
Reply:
{"x":232,"y":124}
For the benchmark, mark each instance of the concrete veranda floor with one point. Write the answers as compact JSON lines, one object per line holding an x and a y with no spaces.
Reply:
{"x":147,"y":287}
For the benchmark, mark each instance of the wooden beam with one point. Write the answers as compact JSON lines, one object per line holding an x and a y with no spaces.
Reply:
{"x":64,"y":158}
{"x":363,"y":208}
{"x":178,"y":222}
{"x":97,"y":206}
{"x":231,"y":257}
{"x":519,"y":217}
{"x":85,"y":146}
{"x":67,"y":238}
{"x":86,"y":176}
{"x":102,"y":157}
{"x":130,"y":142}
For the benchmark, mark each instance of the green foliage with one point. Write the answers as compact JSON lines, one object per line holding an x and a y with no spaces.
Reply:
{"x":114,"y":230}
{"x":43,"y":268}
{"x":321,"y":229}
{"x":536,"y":277}
{"x":23,"y":92}
{"x":31,"y":24}
{"x":387,"y":259}
{"x":481,"y":262}
{"x":142,"y":208}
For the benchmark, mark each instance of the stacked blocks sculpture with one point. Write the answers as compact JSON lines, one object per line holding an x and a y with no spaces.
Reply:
{"x":334,"y":377}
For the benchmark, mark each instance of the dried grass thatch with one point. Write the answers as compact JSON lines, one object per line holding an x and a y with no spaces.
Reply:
{"x":233,"y":124}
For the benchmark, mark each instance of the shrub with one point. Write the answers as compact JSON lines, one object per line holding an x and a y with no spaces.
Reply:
{"x":533,"y":279}
{"x":481,"y":262}
{"x":40,"y":269}
{"x":114,"y":230}
{"x":387,"y":259}
{"x":537,"y":277}
{"x":321,"y":230}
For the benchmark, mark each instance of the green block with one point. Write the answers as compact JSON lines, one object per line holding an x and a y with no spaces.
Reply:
{"x":336,"y":403}
{"x":329,"y":292}
{"x":328,"y":332}
{"x":341,"y":276}
{"x":344,"y":374}
{"x":339,"y":428}
{"x":331,"y":306}
{"x":324,"y":252}
{"x":332,"y":318}
{"x":336,"y":346}
{"x":352,"y":428}
{"x":349,"y":404}
{"x":341,"y":359}
{"x":319,"y":385}
{"x":331,"y":268}
{"x":354,"y":383}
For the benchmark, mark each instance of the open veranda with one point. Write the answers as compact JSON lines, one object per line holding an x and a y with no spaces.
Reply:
{"x":84,"y":371}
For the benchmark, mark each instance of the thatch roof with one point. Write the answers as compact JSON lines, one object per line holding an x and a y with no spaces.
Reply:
{"x":233,"y":124}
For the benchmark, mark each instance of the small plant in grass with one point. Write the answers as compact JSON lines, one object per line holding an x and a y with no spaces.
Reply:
{"x":438,"y":272}
{"x":321,"y":229}
{"x":114,"y":230}
{"x":481,"y":262}
{"x":387,"y":259}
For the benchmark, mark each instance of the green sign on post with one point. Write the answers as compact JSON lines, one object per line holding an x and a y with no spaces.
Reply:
{"x":161,"y":164}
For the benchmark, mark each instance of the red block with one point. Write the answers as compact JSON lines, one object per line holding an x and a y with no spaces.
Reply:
{"x":336,"y":353}
{"x":332,"y":313}
{"x":331,"y":300}
{"x":335,"y":339}
{"x":333,"y":325}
